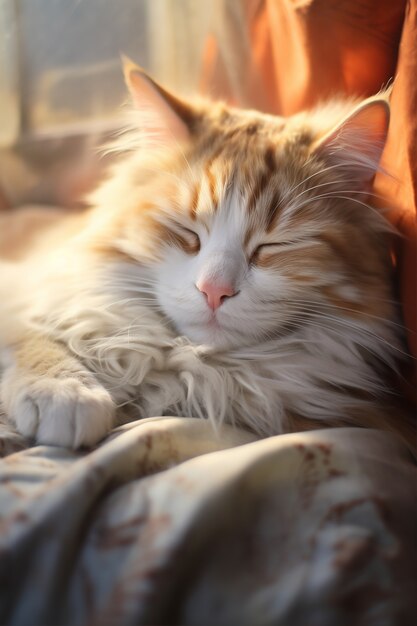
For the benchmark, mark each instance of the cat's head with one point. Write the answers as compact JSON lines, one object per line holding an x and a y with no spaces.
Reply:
{"x":252,"y":224}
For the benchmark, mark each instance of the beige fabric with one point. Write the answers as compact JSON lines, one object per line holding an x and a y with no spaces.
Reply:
{"x":167,"y":523}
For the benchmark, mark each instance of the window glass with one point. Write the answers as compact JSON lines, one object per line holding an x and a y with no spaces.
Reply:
{"x":60,"y":59}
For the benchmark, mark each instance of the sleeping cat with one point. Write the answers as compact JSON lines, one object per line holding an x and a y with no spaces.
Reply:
{"x":229,"y":268}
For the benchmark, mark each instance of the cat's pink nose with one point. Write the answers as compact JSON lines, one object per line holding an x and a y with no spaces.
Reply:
{"x":215,"y":293}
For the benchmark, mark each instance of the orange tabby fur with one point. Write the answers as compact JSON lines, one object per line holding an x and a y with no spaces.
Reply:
{"x":278,"y":207}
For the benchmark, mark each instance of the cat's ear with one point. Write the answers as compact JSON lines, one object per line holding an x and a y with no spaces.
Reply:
{"x":167,"y":117}
{"x":358,"y":141}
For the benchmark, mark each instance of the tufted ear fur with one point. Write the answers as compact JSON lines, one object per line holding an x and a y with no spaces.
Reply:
{"x":357,"y":142}
{"x":165,"y":115}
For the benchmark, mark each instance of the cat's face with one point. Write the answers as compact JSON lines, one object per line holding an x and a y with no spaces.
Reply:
{"x":254,"y":228}
{"x":233,"y":253}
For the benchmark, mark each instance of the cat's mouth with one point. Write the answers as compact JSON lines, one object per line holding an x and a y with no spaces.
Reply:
{"x":213,"y":323}
{"x":209,"y":331}
{"x":210,"y":326}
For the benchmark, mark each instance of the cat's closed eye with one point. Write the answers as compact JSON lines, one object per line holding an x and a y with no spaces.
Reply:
{"x":185,"y":238}
{"x":267,"y":247}
{"x":278,"y":246}
{"x":275,"y":247}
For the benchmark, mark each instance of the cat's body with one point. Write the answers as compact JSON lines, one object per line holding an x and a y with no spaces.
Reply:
{"x":231,"y":270}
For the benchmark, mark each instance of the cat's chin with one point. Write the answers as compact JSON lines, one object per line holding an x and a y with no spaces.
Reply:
{"x":214,"y":336}
{"x":216,"y":343}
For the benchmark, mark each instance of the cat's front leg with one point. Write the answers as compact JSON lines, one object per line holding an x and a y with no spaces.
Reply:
{"x":52,"y":397}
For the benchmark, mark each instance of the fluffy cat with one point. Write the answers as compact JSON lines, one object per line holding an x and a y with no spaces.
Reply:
{"x":229,"y":268}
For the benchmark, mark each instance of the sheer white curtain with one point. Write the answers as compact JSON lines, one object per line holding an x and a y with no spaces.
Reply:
{"x":61,"y":83}
{"x":60,"y":59}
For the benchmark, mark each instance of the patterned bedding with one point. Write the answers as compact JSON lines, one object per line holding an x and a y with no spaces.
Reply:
{"x":168,"y":522}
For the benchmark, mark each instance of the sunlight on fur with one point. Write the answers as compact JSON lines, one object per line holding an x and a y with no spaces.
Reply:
{"x":231,"y":267}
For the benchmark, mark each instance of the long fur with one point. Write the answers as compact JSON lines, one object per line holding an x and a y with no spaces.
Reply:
{"x":310,"y":335}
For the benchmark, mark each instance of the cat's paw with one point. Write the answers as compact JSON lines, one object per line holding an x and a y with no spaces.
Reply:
{"x":72,"y":411}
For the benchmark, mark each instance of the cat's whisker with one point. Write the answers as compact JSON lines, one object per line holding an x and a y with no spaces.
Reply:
{"x":305,"y":180}
{"x":362,"y":193}
{"x":341,"y":166}
{"x":308,"y":309}
{"x":337,"y":166}
{"x":314,"y":187}
{"x":320,"y":323}
{"x":389,"y":227}
{"x":336,"y":194}
{"x":320,"y":306}
{"x":320,"y":311}
{"x":348,"y":324}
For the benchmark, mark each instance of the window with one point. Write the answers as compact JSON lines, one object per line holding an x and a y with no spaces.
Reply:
{"x":61,"y":84}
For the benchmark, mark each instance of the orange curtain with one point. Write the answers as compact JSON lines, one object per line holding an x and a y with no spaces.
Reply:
{"x":299,"y":52}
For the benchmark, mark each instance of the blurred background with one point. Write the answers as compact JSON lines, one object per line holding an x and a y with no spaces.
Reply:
{"x":61,"y":85}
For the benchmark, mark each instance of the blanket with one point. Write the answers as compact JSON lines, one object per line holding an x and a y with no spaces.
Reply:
{"x":169,"y":522}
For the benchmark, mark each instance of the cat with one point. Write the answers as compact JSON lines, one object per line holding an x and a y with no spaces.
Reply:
{"x":230,"y":267}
